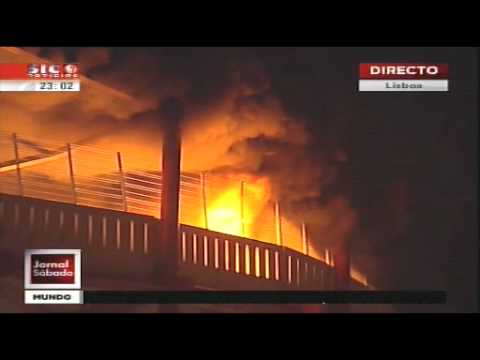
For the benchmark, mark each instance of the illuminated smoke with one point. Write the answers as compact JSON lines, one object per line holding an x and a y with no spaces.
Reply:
{"x":235,"y":125}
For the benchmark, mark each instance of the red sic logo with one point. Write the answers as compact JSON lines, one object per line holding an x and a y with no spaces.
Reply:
{"x":53,"y":71}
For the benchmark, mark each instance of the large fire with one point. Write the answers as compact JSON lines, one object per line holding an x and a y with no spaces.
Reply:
{"x":241,"y":205}
{"x":244,"y":207}
{"x":224,"y":216}
{"x":236,"y":209}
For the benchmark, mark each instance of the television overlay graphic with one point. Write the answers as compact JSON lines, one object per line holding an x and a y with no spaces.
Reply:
{"x":53,"y":276}
{"x":39,"y":77}
{"x":403,"y":77}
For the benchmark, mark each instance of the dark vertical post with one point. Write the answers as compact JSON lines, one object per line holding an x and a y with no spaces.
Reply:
{"x":305,"y":243}
{"x":341,"y":259}
{"x":122,"y":181}
{"x":341,"y":263}
{"x":204,"y":200}
{"x":72,"y":176}
{"x":242,"y":215}
{"x":278,"y":224}
{"x":17,"y":163}
{"x":172,"y":112}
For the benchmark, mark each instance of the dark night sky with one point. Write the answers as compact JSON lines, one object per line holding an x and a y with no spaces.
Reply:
{"x":428,"y":139}
{"x":421,"y":144}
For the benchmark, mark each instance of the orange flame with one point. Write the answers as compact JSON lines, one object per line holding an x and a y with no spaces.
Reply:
{"x":237,"y":207}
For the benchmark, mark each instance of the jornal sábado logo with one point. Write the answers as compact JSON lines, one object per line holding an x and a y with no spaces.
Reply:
{"x":51,"y":270}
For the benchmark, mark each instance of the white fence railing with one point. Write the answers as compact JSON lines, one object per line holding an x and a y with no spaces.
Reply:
{"x":89,"y":176}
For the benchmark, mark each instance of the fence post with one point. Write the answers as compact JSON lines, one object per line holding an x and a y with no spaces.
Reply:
{"x":242,"y":218}
{"x":204,"y":199}
{"x":122,"y":181}
{"x":278,"y":224}
{"x":304,"y":239}
{"x":72,"y":178}
{"x":17,"y":162}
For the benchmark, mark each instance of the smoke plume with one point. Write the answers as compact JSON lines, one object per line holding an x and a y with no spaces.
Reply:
{"x":235,"y":123}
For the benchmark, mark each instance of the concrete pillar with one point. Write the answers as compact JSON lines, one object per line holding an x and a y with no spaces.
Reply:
{"x":172,"y":113}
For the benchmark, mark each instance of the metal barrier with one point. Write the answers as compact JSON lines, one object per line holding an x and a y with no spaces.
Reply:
{"x":86,"y":176}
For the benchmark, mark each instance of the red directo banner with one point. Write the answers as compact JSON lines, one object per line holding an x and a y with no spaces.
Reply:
{"x":399,"y":71}
{"x":38,"y":71}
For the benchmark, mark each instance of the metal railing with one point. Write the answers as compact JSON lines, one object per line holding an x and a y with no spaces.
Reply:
{"x":122,"y":244}
{"x":88,"y":176}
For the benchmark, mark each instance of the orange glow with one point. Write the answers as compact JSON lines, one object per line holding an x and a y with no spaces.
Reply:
{"x":95,"y":166}
{"x":358,"y":276}
{"x":229,"y":213}
{"x":224,"y":213}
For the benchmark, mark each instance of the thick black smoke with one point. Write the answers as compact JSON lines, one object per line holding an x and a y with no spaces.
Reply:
{"x":390,"y":172}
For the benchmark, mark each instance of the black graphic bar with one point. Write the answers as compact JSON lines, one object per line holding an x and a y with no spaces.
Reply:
{"x":265,"y":297}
